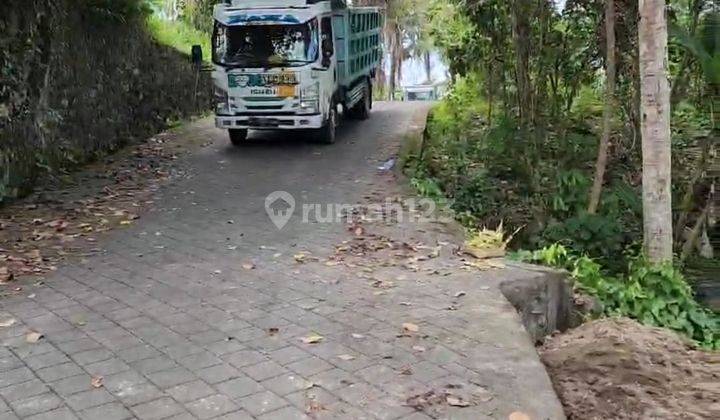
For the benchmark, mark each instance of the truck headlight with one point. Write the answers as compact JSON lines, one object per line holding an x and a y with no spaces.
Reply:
{"x":308,"y":107}
{"x":221,"y":101}
{"x":311,"y":92}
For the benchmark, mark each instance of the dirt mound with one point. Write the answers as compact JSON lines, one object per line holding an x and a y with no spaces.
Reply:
{"x":620,"y":369}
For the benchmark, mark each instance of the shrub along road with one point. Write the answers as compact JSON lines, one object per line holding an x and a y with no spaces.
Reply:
{"x":202,"y":308}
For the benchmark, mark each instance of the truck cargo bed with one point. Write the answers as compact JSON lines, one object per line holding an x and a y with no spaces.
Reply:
{"x":358,"y":36}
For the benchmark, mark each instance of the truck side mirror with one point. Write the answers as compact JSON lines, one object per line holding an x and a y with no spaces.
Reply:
{"x":327,"y":52}
{"x":197,"y":55}
{"x":326,"y":60}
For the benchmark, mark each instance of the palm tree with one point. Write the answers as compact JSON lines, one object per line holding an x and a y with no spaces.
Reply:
{"x":655,"y":128}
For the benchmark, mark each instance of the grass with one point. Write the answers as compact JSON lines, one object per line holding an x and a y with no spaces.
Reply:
{"x":179,"y":35}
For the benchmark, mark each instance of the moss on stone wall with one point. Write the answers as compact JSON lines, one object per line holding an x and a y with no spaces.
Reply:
{"x":80,"y":78}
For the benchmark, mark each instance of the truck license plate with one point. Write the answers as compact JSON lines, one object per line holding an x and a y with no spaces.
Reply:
{"x":286,"y":91}
{"x":282,"y":91}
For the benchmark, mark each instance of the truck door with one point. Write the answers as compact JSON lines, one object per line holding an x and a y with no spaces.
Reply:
{"x":328,"y":78}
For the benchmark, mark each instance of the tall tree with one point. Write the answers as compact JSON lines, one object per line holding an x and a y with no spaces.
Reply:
{"x":655,"y":129}
{"x":521,"y":11}
{"x":601,"y":163}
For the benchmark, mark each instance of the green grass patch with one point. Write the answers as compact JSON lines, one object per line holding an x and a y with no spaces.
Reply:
{"x":179,"y":35}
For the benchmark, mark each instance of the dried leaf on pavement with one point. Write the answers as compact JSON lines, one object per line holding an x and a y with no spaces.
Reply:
{"x":408,"y":326}
{"x":314,"y":407}
{"x":248,"y":266}
{"x":518,"y":415}
{"x":456,"y":401}
{"x":33,"y":337}
{"x":7,"y":323}
{"x":312,"y":339}
{"x":96,"y":381}
{"x":5,"y":275}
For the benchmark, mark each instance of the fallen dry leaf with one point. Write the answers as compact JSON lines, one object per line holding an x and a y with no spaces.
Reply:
{"x":457,"y":402}
{"x":407,"y":326}
{"x":7,"y":323}
{"x":518,"y":415}
{"x":248,"y":266}
{"x":314,"y":407}
{"x":33,"y":337}
{"x":5,"y":275}
{"x":406,"y":370}
{"x":312,"y":339}
{"x":96,"y":381}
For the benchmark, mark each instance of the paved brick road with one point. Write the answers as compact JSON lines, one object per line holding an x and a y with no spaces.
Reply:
{"x":177,"y":328}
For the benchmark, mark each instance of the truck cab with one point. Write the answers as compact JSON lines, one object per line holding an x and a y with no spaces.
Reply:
{"x":292,"y":64}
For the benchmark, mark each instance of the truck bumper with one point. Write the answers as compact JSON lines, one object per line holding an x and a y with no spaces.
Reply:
{"x":269,"y":122}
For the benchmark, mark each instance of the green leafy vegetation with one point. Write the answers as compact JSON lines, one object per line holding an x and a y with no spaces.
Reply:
{"x":654,"y":295}
{"x":179,"y":35}
{"x":516,"y":142}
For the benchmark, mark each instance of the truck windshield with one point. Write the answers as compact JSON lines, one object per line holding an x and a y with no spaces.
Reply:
{"x":265,"y":45}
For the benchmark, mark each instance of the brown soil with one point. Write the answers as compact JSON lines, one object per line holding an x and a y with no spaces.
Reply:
{"x":620,"y":369}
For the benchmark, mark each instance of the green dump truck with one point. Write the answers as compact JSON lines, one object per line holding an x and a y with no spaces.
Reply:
{"x":293,"y":64}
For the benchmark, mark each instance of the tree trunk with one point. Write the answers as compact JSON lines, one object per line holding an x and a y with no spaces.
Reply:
{"x":490,"y":92}
{"x":399,"y":55}
{"x":428,"y":66}
{"x":655,"y":113}
{"x":601,"y":163}
{"x":391,"y":80}
{"x":521,"y":39}
{"x":393,"y":63}
{"x":396,"y":58}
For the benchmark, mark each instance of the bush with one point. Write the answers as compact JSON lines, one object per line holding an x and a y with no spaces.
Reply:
{"x":479,"y":197}
{"x":179,"y":35}
{"x":654,"y":295}
{"x":596,"y":236}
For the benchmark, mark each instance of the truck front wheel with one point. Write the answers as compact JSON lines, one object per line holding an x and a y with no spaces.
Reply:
{"x":326,"y":134}
{"x":238,"y":136}
{"x":361,"y":110}
{"x":365,"y":105}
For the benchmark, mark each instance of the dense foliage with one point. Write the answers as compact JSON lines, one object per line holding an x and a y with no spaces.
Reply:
{"x":654,"y":295}
{"x":516,"y":142}
{"x":516,"y":138}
